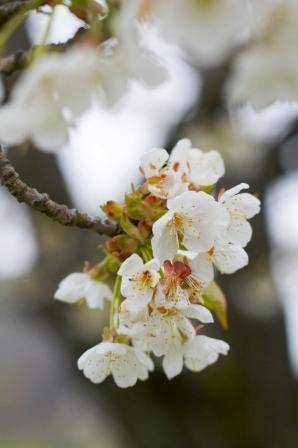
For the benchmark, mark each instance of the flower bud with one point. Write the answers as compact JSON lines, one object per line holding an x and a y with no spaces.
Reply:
{"x":112,"y":209}
{"x":121,"y":246}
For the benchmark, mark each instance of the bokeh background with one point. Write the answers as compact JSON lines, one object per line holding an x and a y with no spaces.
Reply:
{"x":247,"y":400}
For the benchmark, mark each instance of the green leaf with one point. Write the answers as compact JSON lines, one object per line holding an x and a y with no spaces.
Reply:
{"x":215,"y":300}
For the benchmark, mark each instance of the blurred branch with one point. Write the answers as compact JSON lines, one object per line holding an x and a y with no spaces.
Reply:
{"x":22,"y":59}
{"x":44,"y":204}
{"x":7,"y":10}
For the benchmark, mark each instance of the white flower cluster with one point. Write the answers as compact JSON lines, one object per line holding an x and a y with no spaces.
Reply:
{"x":57,"y":88}
{"x":207,"y":30}
{"x":257,"y":34}
{"x":267,"y":70}
{"x":159,"y":291}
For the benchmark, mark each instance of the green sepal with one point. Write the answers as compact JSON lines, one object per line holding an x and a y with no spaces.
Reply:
{"x":215,"y":300}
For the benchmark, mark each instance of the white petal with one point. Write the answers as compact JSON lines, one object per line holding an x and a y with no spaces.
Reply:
{"x":188,"y":202}
{"x":233,"y":191}
{"x":198,"y":312}
{"x":50,"y":131}
{"x":145,"y":365}
{"x":203,"y":216}
{"x":153,"y":161}
{"x":239,"y":232}
{"x":202,"y":268}
{"x":178,"y":298}
{"x":164,"y":332}
{"x":173,"y":362}
{"x":72,"y":288}
{"x":228,"y":257}
{"x":168,"y":185}
{"x":153,"y":264}
{"x":244,"y":205}
{"x":188,"y":254}
{"x":203,"y":351}
{"x":161,"y":223}
{"x":165,"y":240}
{"x":94,"y":365}
{"x":131,"y":265}
{"x":180,"y":156}
{"x":181,"y":301}
{"x":206,"y":167}
{"x":208,"y":220}
{"x":145,"y":360}
{"x":13,"y":129}
{"x":186,"y":327}
{"x":139,"y":302}
{"x":124,"y":369}
{"x":95,"y":294}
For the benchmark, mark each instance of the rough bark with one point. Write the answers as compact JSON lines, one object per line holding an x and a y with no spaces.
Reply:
{"x":44,"y":204}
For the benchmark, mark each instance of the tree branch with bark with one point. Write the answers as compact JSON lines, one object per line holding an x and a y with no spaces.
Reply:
{"x":43,"y":203}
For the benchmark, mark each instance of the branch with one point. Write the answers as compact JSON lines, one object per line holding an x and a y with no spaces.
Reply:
{"x":21,"y":59}
{"x":7,"y":10}
{"x":44,"y":204}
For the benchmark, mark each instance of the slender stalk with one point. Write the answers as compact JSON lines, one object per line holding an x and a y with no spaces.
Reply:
{"x":41,"y":48}
{"x":16,"y":20}
{"x":114,"y":303}
{"x":146,"y":253}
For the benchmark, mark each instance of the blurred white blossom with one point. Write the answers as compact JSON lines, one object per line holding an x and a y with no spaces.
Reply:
{"x":268,"y":70}
{"x":208,"y":30}
{"x":79,"y":286}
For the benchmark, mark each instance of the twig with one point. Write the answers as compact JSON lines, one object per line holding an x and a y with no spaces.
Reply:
{"x":44,"y":204}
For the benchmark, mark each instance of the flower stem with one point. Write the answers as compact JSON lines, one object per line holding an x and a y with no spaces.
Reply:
{"x":146,"y":253}
{"x":40,"y":49}
{"x":115,"y":302}
{"x":16,"y":20}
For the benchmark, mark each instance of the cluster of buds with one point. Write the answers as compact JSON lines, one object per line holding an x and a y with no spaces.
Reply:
{"x":175,"y":234}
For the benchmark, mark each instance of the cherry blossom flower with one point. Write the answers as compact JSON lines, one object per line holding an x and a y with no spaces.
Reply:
{"x":153,"y":161}
{"x":198,"y":353}
{"x":138,"y":281}
{"x":55,"y":83}
{"x":160,"y":328}
{"x":193,"y":219}
{"x":79,"y":286}
{"x":58,"y":88}
{"x":198,"y":167}
{"x":206,"y":29}
{"x":182,"y":282}
{"x":169,"y":330}
{"x":227,"y":253}
{"x":227,"y":257}
{"x":202,"y":351}
{"x":125,"y":363}
{"x":202,"y":272}
{"x":258,"y":76}
{"x":129,"y":57}
{"x":162,"y":182}
{"x":160,"y":299}
{"x":241,"y":207}
{"x":170,"y":292}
